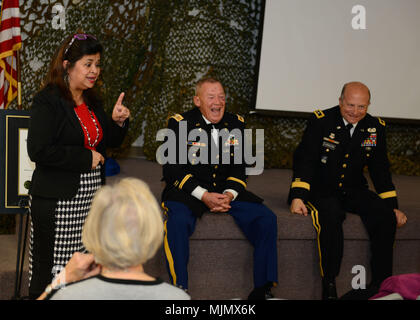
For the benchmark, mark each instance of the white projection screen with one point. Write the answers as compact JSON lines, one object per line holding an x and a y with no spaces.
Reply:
{"x":310,"y":48}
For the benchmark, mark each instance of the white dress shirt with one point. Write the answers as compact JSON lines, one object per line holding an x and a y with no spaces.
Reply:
{"x":352,"y":129}
{"x":199,"y":191}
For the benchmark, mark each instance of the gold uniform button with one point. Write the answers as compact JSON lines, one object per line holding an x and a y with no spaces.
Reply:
{"x":344,"y":165}
{"x":342,"y":176}
{"x":340,"y":184}
{"x":214,"y":175}
{"x":327,"y":150}
{"x":347,"y":155}
{"x":214,"y":183}
{"x":216,"y":166}
{"x":368,"y":155}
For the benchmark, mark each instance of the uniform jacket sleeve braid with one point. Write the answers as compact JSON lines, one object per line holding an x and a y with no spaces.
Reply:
{"x":177,"y":174}
{"x":305,"y":160}
{"x":378,"y":166}
{"x":236,"y":178}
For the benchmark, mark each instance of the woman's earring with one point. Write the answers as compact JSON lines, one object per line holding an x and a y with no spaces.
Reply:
{"x":66,"y":79}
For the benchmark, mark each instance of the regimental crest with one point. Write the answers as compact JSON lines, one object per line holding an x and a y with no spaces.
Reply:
{"x":231,"y":141}
{"x":240,"y":118}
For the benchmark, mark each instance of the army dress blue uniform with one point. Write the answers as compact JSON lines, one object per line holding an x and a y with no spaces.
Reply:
{"x":182,"y":209}
{"x":328,"y":176}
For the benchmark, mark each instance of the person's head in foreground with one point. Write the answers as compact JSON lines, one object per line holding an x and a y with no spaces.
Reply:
{"x":124,"y":228}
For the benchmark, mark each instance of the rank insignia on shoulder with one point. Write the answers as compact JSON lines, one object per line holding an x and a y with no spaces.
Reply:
{"x":240,"y":118}
{"x":177,"y":117}
{"x":382,"y":122}
{"x":319,"y":114}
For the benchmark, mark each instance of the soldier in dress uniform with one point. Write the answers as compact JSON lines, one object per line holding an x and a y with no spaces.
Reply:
{"x":208,"y":175}
{"x":328,"y":181}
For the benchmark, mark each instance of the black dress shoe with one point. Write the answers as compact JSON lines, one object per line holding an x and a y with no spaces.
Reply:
{"x":182,"y":288}
{"x":268,"y":295}
{"x":329,"y":290}
{"x":261,"y":293}
{"x":361,"y":294}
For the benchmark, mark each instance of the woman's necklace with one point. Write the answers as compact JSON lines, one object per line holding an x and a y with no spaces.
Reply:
{"x":92,"y":145}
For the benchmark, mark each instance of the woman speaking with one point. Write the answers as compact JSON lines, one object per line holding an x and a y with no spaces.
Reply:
{"x":68,"y":135}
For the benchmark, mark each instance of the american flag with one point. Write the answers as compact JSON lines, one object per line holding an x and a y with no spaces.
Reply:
{"x":10,"y":43}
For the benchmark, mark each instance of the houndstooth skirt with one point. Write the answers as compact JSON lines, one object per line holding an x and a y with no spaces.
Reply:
{"x":70,"y":216}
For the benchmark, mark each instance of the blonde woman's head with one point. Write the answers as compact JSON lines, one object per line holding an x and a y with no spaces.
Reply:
{"x":124,"y":227}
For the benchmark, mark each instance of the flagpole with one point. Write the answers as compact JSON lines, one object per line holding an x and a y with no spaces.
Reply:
{"x":19,"y":88}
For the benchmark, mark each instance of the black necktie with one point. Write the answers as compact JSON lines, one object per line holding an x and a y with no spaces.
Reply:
{"x":209,"y":126}
{"x":349,"y":126}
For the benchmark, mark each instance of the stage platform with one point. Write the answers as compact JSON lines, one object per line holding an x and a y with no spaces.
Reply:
{"x":221,"y":258}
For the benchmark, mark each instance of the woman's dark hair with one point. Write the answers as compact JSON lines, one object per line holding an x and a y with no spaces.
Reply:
{"x":73,"y":48}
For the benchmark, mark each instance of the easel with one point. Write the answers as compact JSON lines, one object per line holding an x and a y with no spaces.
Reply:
{"x":14,"y":200}
{"x":21,"y":248}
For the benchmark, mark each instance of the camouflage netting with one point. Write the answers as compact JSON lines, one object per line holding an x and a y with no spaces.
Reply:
{"x":155,"y":51}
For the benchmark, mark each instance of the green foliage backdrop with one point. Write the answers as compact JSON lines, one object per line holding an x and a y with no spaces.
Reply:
{"x":155,"y":51}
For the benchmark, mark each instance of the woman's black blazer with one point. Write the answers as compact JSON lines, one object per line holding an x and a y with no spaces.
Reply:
{"x":56,"y":144}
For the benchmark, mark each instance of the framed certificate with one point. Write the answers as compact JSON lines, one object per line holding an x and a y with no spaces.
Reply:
{"x":15,"y":166}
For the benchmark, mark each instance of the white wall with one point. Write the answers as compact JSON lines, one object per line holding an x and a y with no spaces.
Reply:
{"x":310,"y":49}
